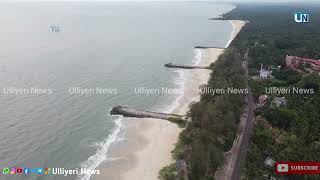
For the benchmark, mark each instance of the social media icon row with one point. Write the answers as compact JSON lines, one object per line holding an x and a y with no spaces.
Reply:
{"x":26,"y":171}
{"x":11,"y":170}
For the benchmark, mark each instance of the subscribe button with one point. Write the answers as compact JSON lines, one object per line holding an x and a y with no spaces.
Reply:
{"x":297,"y":167}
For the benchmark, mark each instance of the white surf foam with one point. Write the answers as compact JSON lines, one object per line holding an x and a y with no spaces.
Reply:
{"x":231,"y":34}
{"x":95,"y":160}
{"x":181,"y":81}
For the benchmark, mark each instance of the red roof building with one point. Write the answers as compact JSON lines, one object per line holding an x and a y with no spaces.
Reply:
{"x":294,"y":62}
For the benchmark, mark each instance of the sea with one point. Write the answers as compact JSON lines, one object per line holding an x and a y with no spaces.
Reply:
{"x":65,"y":65}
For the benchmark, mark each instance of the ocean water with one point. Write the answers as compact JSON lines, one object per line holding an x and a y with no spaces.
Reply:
{"x":49,"y":51}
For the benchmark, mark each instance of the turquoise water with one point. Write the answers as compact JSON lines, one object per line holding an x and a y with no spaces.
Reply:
{"x":49,"y":49}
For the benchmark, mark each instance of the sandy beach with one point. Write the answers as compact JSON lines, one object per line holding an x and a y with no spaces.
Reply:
{"x":147,"y":143}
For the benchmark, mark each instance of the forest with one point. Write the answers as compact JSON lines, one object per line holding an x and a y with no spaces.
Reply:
{"x":290,"y":132}
{"x":214,"y":122}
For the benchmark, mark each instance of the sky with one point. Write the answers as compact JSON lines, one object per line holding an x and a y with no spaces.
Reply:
{"x":237,"y":1}
{"x":182,"y":0}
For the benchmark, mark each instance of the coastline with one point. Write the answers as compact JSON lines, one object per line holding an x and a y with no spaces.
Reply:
{"x":236,"y":27}
{"x":146,"y":144}
{"x":163,"y":135}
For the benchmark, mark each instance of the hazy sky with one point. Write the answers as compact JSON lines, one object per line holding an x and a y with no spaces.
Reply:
{"x":180,"y":0}
{"x":238,"y":1}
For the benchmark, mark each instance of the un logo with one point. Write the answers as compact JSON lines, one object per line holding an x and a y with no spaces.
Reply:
{"x":301,"y":17}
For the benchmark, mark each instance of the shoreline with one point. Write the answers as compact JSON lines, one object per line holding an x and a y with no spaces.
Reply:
{"x":151,"y":140}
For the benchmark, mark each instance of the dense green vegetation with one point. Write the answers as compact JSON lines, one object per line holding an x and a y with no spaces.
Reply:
{"x":291,"y":132}
{"x":214,"y":122}
{"x":286,"y":133}
{"x":214,"y":119}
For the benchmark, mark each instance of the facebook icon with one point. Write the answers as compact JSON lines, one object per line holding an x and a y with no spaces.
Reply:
{"x":301,"y":17}
{"x":26,"y":171}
